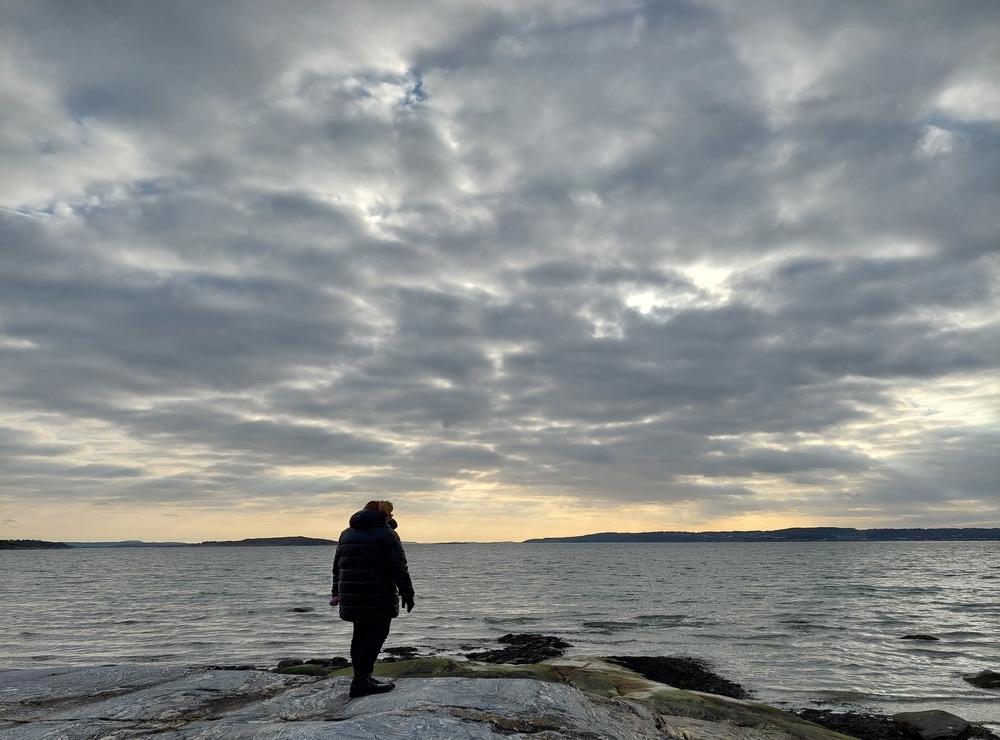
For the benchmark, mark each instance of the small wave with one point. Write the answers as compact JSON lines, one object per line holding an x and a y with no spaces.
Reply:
{"x":645,"y":621}
{"x":960,"y":634}
{"x":597,"y":646}
{"x":722,"y":636}
{"x":941,"y":654}
{"x":802,"y":625}
{"x":766,"y":636}
{"x":672,"y":620}
{"x":887,"y":621}
{"x":843,"y":696}
{"x":895,"y":591}
{"x":608,"y":627}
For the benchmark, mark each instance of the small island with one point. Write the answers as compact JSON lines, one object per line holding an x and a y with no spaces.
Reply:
{"x":32,"y":545}
{"x":270,"y":541}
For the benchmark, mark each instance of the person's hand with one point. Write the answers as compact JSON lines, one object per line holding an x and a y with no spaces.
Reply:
{"x":408,"y":603}
{"x":334,"y":600}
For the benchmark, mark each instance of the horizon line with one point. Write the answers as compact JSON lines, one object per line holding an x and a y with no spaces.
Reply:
{"x":529,"y":540}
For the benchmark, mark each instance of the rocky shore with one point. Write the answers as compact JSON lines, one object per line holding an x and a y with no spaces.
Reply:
{"x":526,"y":688}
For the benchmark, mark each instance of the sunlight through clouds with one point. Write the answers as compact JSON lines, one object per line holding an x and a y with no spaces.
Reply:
{"x":731,"y":267}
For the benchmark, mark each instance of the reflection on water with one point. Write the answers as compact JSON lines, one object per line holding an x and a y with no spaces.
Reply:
{"x":795,"y":621}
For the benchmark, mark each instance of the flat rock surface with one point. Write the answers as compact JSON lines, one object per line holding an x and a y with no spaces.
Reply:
{"x":53,"y":684}
{"x":141,"y":701}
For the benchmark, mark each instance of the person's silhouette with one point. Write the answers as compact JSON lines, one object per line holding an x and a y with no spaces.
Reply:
{"x":370,"y":576}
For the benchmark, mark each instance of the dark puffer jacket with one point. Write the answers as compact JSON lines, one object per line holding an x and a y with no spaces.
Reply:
{"x":369,"y":569}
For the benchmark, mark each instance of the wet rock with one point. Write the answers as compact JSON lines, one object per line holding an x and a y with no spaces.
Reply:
{"x":854,"y":724}
{"x":316,"y":671}
{"x":932,"y":725}
{"x":243,"y":667}
{"x":985,"y":680}
{"x":523,"y":648}
{"x":402,"y":652}
{"x":301,"y":609}
{"x":926,"y":638}
{"x":316,"y":667}
{"x":332,"y":663}
{"x":682,"y":673}
{"x":866,"y":726}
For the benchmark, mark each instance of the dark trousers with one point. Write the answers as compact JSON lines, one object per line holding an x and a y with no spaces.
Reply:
{"x":366,"y":643}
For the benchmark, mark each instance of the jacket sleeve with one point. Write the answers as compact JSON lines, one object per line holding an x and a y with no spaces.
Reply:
{"x":336,"y":572}
{"x":397,"y":565}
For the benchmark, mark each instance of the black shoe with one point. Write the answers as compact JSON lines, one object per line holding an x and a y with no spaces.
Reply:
{"x":369,"y":687}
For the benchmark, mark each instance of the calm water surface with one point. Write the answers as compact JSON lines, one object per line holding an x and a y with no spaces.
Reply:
{"x":797,"y":623}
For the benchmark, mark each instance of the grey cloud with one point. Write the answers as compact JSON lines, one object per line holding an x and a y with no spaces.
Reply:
{"x":459,"y":456}
{"x":438,"y":242}
{"x":13,"y":470}
{"x":952,"y":465}
{"x":838,"y":291}
{"x":555,"y":274}
{"x":784,"y":462}
{"x":278,"y":441}
{"x":18,"y":442}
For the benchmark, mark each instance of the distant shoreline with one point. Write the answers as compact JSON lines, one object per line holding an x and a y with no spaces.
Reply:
{"x":795,"y":534}
{"x":251,"y":542}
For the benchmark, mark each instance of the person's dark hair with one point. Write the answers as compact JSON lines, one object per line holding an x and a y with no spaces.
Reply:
{"x":382,"y":507}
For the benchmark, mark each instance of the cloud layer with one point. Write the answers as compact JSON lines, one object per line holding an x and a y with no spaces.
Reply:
{"x":709,"y":263}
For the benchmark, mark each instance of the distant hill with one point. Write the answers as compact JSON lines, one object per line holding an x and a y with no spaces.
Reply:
{"x":793,"y":534}
{"x":258,"y":541}
{"x":32,"y":545}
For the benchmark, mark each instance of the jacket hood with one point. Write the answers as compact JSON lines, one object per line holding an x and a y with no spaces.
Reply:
{"x":367,"y":519}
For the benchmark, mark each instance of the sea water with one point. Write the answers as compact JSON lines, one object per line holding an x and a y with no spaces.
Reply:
{"x":802,"y":624}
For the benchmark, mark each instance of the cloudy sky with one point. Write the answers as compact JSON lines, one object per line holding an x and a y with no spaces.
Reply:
{"x":525,"y":268}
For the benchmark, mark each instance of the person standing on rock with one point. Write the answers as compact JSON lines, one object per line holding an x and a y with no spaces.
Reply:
{"x":370,"y":577}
